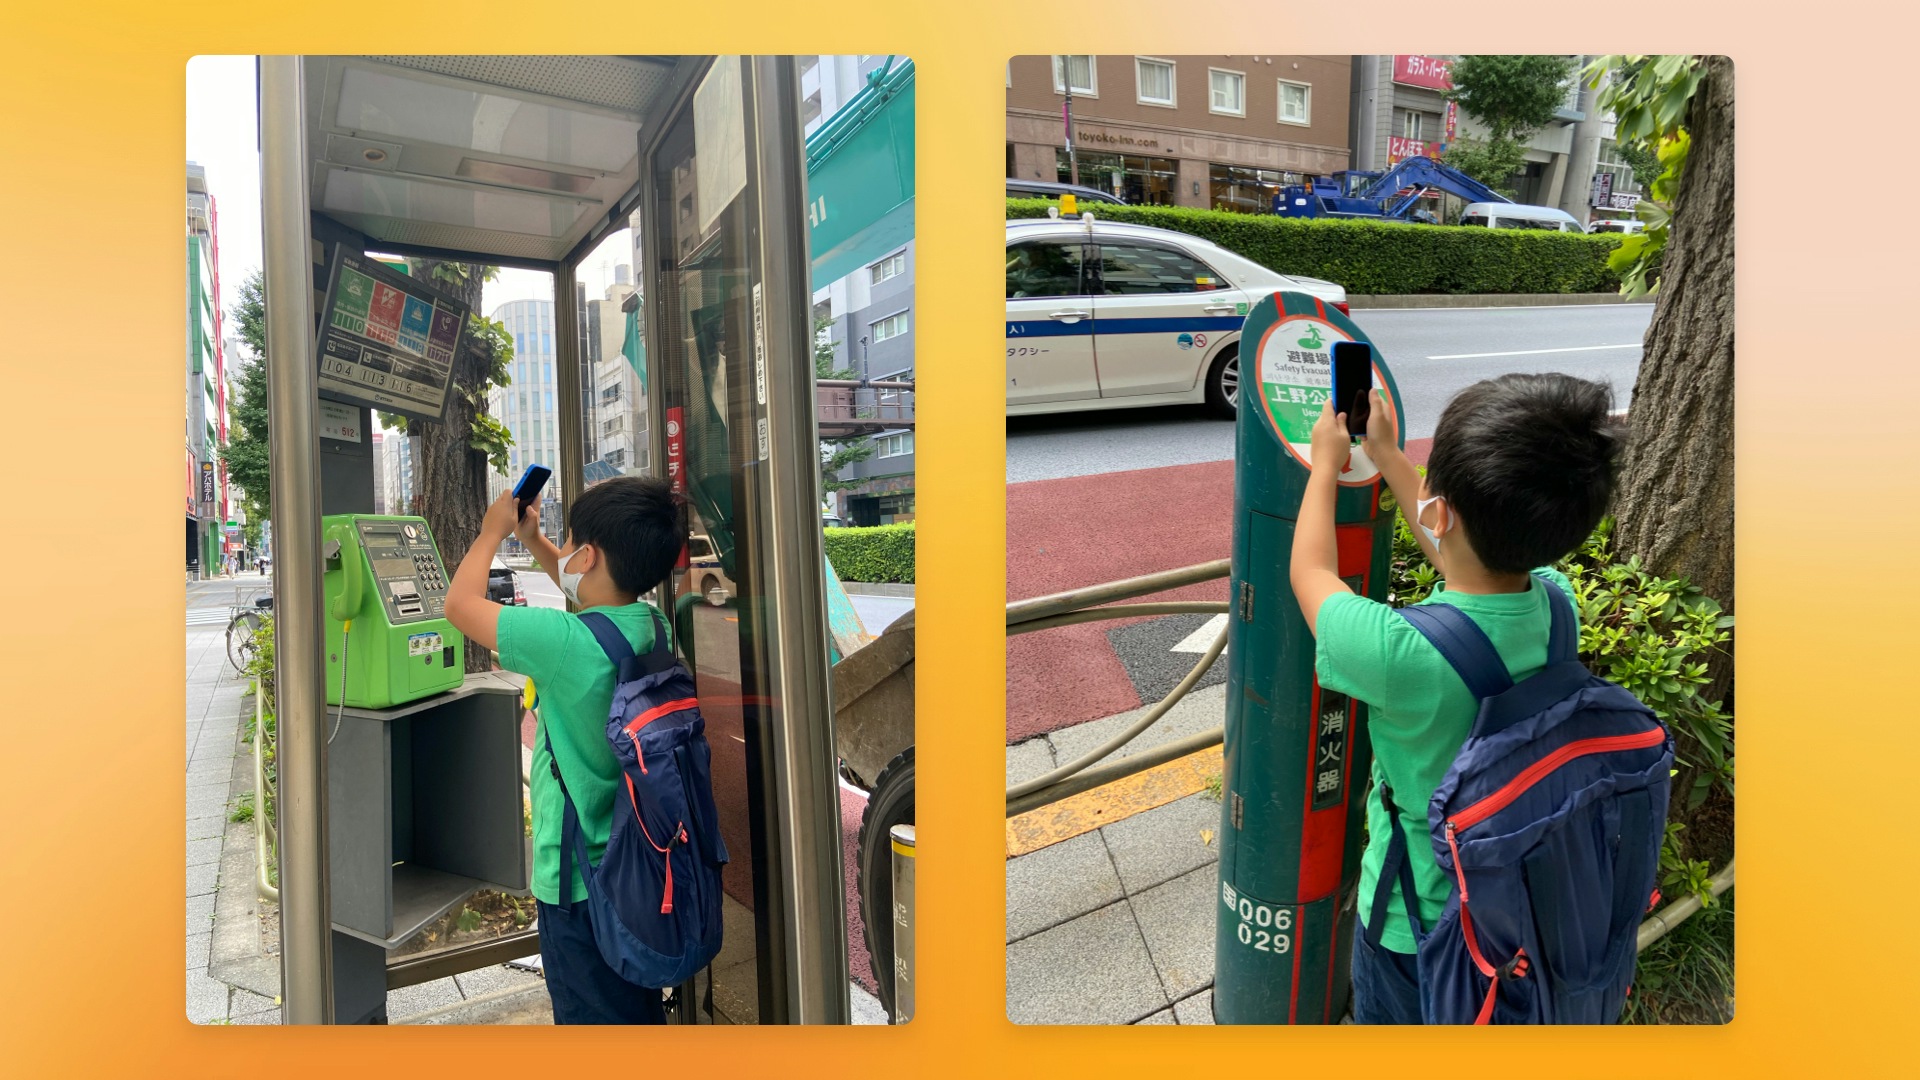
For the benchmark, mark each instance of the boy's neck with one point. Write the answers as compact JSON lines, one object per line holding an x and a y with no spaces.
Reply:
{"x":1468,"y":576}
{"x":592,"y":598}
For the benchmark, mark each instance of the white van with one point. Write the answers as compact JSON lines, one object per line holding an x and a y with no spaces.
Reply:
{"x":1619,"y":225}
{"x":1520,"y":216}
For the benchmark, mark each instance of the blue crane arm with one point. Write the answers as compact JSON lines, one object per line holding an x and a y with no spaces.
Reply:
{"x":1424,"y":172}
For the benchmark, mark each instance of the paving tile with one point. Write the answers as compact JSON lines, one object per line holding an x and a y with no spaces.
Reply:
{"x":203,"y":851}
{"x":1058,"y":882}
{"x":209,"y":826}
{"x":1203,"y":709}
{"x":489,"y":980}
{"x":1197,"y":1009}
{"x":1092,"y":970}
{"x":1164,"y":1016}
{"x":206,"y":998}
{"x":202,"y":879}
{"x":271,"y":1016}
{"x":1160,"y":844}
{"x":409,"y":1000}
{"x":205,"y":801}
{"x":1028,"y":759}
{"x":199,"y":950}
{"x":1177,"y":920}
{"x":200,"y":914}
{"x":247,"y":1003}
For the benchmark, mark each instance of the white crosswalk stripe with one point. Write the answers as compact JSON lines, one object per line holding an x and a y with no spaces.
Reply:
{"x":207,"y":616}
{"x":1202,"y":639}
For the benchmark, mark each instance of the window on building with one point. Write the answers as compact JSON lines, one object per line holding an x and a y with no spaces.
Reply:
{"x":610,"y":394}
{"x":617,"y":458}
{"x":1411,"y":124}
{"x":1138,"y":270}
{"x":1154,"y":79}
{"x":1141,"y":181}
{"x":810,"y":108}
{"x":1229,"y":92}
{"x":613,"y":426}
{"x":1043,"y":269}
{"x":1247,"y":191}
{"x":890,"y":327}
{"x":808,"y":63}
{"x":900,"y":445}
{"x":1296,"y":103}
{"x":1077,"y":74}
{"x":890,"y":267}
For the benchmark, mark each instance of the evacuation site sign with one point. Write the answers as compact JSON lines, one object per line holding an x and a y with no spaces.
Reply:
{"x":387,"y":341}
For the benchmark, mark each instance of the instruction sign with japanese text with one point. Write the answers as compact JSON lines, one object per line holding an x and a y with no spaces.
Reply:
{"x":387,"y":341}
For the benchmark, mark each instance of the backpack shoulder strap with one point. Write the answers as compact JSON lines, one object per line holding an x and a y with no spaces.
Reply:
{"x":1563,"y":641}
{"x":612,"y":641}
{"x":1464,"y":646}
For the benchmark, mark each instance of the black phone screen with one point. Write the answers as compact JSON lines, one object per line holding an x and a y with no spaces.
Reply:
{"x":1352,"y":378}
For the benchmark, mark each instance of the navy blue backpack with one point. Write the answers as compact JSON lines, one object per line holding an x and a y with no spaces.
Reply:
{"x":1550,"y":822}
{"x":655,"y":897}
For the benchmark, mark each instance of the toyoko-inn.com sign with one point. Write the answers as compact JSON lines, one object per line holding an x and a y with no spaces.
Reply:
{"x":1428,"y":71}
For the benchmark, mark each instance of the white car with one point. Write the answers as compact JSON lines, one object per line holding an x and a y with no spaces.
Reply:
{"x":1102,"y":315}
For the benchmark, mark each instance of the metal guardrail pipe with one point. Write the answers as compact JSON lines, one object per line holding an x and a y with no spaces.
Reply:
{"x":1123,"y":611}
{"x":306,"y":955}
{"x":1100,"y":775}
{"x":461,"y":959}
{"x":1663,"y":921}
{"x":265,"y":839}
{"x":1039,"y":607}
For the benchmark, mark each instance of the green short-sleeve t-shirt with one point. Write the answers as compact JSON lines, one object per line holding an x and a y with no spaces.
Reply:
{"x":1419,"y":713}
{"x":574,"y":682}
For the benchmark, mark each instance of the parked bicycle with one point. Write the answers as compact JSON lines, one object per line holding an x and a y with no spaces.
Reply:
{"x":243,"y":627}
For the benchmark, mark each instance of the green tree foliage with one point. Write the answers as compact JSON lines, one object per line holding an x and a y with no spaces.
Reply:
{"x":835,"y":454}
{"x":486,"y":433}
{"x":1512,"y":97}
{"x":1648,"y":96}
{"x":245,"y":454}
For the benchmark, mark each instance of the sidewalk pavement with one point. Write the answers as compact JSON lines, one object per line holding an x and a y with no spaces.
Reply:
{"x":1112,"y":920}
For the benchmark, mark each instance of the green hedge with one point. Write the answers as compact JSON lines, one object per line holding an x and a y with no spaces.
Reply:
{"x":1374,"y":258}
{"x":879,"y":553}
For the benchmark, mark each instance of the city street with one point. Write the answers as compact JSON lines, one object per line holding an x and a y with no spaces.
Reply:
{"x":1434,"y":352}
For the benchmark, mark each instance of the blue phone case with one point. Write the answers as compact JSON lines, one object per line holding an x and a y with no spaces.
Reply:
{"x":521,"y":484}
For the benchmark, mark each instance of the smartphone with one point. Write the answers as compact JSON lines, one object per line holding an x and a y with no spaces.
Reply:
{"x":1352,"y":378}
{"x":527,"y":491}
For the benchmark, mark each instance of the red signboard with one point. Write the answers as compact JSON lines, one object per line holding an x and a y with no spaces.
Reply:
{"x":676,"y":462}
{"x":1427,"y":71}
{"x":1399,"y":149}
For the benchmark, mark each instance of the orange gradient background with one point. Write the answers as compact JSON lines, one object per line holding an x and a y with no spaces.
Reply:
{"x":92,"y":295}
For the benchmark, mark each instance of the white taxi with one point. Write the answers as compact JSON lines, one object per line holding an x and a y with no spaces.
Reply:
{"x":1102,"y":315}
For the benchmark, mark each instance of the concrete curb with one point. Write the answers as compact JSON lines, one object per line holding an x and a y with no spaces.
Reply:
{"x":876,"y":588}
{"x":1488,"y":300}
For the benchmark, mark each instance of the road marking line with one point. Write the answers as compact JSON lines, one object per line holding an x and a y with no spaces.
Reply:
{"x":1531,"y":352}
{"x":1110,"y":803}
{"x":1202,"y":639}
{"x":1612,"y":306}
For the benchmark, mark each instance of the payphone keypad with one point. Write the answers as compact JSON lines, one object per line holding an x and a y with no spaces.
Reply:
{"x":412,"y":581}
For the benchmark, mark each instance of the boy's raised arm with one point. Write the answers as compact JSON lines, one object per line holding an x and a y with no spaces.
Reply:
{"x":1315,"y":568}
{"x":468,"y":608}
{"x":1383,"y":449}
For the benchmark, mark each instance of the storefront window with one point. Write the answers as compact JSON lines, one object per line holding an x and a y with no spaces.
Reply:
{"x":1142,"y":181}
{"x":1247,"y":191}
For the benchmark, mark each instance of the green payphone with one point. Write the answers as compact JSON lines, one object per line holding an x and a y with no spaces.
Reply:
{"x":386,"y":592}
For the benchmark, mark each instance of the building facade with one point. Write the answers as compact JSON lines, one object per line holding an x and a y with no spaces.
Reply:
{"x":206,"y":385}
{"x":867,"y":317}
{"x":394,"y":453}
{"x":617,"y":425}
{"x":526,"y":405}
{"x":1400,"y":111}
{"x":1220,"y":132}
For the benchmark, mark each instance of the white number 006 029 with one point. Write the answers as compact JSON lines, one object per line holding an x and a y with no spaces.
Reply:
{"x":1260,"y":926}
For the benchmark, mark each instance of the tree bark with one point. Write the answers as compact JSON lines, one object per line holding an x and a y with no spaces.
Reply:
{"x":450,"y":476}
{"x":1674,"y":507}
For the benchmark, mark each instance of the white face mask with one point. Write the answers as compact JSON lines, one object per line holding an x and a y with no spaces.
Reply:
{"x":570,"y":583}
{"x":1420,"y":519}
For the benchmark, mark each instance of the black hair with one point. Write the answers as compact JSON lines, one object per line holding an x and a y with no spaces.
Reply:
{"x":1527,"y":461}
{"x":636,"y":523}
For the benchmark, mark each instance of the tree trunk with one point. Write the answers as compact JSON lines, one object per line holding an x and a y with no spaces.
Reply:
{"x":450,"y":476}
{"x":1674,"y":507}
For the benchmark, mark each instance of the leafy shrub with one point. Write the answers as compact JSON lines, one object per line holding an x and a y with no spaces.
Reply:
{"x":1372,"y":258}
{"x":880,"y":553}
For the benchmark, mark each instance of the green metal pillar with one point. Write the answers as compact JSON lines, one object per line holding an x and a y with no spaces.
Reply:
{"x":1297,"y":756}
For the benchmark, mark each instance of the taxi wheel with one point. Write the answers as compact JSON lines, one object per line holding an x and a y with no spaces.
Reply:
{"x":890,"y":803}
{"x":1223,"y":382}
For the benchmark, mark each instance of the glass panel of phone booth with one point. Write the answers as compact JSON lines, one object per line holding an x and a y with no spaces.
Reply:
{"x":700,"y":294}
{"x":615,"y":429}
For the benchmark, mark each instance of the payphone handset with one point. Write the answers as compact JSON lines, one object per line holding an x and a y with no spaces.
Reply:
{"x":388,"y":639}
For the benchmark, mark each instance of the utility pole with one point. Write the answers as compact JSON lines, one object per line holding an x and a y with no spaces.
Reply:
{"x":1582,"y":156}
{"x":1073,"y":158}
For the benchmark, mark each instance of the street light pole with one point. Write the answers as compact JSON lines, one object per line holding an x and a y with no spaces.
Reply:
{"x":1073,"y":158}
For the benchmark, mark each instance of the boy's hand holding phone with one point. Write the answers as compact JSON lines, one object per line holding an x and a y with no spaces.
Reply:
{"x":500,"y":519}
{"x":1383,"y":428}
{"x":528,"y":527}
{"x":1331,"y":443}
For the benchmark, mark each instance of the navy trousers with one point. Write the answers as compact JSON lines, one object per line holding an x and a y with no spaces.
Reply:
{"x":583,"y":988}
{"x":1386,"y":984}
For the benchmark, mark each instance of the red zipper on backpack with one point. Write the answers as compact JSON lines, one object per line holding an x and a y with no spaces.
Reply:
{"x":1531,"y":775}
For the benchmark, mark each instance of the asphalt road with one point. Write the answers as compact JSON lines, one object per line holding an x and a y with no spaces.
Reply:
{"x":1434,"y":352}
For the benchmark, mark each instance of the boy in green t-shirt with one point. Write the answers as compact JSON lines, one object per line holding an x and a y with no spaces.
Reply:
{"x":1520,"y":473}
{"x":623,"y":536}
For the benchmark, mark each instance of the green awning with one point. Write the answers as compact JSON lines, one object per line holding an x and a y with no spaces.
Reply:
{"x":860,"y":177}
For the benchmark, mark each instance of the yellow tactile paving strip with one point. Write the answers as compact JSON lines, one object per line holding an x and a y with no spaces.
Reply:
{"x":1090,"y":810}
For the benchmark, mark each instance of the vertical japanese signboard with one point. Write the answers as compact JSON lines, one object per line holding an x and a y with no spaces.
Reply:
{"x":387,"y":341}
{"x":677,"y":461}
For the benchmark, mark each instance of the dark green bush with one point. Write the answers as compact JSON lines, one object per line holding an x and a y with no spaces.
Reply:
{"x":1375,"y":258}
{"x":881,"y":553}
